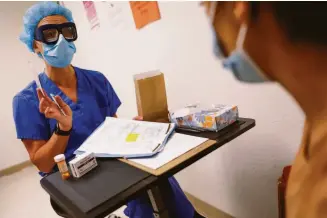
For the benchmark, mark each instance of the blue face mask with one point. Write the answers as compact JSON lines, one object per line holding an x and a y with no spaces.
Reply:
{"x":216,"y":47}
{"x":239,"y":62}
{"x":59,"y":55}
{"x":242,"y":65}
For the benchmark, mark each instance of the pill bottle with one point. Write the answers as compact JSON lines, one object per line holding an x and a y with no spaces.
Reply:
{"x":62,"y":166}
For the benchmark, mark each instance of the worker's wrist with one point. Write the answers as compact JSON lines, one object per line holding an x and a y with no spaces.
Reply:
{"x":63,"y":132}
{"x":66,"y":127}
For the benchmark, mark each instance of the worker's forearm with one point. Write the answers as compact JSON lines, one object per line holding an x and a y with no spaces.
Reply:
{"x":43,"y":158}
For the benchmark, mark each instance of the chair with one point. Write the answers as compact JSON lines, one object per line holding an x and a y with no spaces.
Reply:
{"x":282,"y":183}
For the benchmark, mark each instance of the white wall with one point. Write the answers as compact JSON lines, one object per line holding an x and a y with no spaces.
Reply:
{"x":15,"y":76}
{"x":239,"y":178}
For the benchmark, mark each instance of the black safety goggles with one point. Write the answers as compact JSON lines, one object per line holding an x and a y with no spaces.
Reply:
{"x":49,"y":33}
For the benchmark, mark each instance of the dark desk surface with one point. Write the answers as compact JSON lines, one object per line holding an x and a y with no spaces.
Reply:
{"x":113,"y":183}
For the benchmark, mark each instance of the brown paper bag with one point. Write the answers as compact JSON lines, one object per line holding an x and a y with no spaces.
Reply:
{"x":151,"y":96}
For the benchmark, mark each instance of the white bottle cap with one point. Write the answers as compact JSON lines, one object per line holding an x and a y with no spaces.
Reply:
{"x":59,"y":157}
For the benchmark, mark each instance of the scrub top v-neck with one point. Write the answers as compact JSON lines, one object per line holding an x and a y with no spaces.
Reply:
{"x":96,"y":99}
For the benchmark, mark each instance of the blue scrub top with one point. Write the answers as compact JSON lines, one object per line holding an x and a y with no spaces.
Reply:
{"x":96,"y":99}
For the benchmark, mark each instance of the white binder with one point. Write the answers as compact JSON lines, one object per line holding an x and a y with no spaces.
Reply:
{"x":117,"y":137}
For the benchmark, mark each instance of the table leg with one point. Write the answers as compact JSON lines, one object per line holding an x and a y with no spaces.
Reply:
{"x":157,"y":202}
{"x":160,"y":196}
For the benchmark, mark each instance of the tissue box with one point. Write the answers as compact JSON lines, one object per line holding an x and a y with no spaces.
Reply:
{"x":212,"y":118}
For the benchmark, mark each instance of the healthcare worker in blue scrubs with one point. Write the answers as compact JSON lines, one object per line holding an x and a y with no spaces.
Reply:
{"x":85,"y":96}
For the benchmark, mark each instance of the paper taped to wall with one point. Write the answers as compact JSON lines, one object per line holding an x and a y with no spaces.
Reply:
{"x":145,"y":12}
{"x":117,"y":16}
{"x":91,"y":14}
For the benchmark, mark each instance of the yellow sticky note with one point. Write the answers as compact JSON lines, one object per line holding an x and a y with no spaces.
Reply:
{"x":132,"y":137}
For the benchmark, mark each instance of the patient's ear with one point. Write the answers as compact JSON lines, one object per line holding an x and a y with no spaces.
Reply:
{"x":242,"y":12}
{"x":206,"y":5}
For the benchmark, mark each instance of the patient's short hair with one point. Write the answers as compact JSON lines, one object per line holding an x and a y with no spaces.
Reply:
{"x":304,"y":22}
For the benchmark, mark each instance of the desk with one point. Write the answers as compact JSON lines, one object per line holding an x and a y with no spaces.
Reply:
{"x":217,"y":139}
{"x":113,"y":183}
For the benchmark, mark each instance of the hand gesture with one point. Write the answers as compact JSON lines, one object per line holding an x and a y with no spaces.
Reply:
{"x":50,"y":109}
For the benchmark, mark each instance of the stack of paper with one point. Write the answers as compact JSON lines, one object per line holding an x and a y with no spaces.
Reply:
{"x":177,"y":145}
{"x":127,"y":138}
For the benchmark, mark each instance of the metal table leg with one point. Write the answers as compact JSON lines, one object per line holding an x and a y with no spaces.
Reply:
{"x":160,"y":196}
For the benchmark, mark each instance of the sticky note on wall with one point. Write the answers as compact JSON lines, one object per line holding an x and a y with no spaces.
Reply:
{"x":144,"y":12}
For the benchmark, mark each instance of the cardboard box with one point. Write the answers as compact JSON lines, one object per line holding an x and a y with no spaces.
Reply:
{"x":151,"y":96}
{"x":212,"y":118}
{"x":82,"y":164}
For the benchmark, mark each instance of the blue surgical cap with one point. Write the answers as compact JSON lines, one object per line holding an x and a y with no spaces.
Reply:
{"x":35,"y":14}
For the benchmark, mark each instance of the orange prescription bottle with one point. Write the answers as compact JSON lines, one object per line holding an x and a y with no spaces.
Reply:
{"x":62,"y":166}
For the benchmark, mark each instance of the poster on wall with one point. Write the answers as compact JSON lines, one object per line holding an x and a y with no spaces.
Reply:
{"x":144,"y":12}
{"x":91,"y":14}
{"x":116,"y":15}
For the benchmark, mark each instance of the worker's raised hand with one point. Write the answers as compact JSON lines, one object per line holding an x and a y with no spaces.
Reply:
{"x":50,"y":109}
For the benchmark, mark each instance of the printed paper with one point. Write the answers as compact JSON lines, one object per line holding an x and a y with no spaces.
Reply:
{"x":91,"y":14}
{"x":144,"y":12}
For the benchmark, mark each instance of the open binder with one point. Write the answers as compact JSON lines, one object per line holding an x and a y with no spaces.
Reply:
{"x":118,"y":138}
